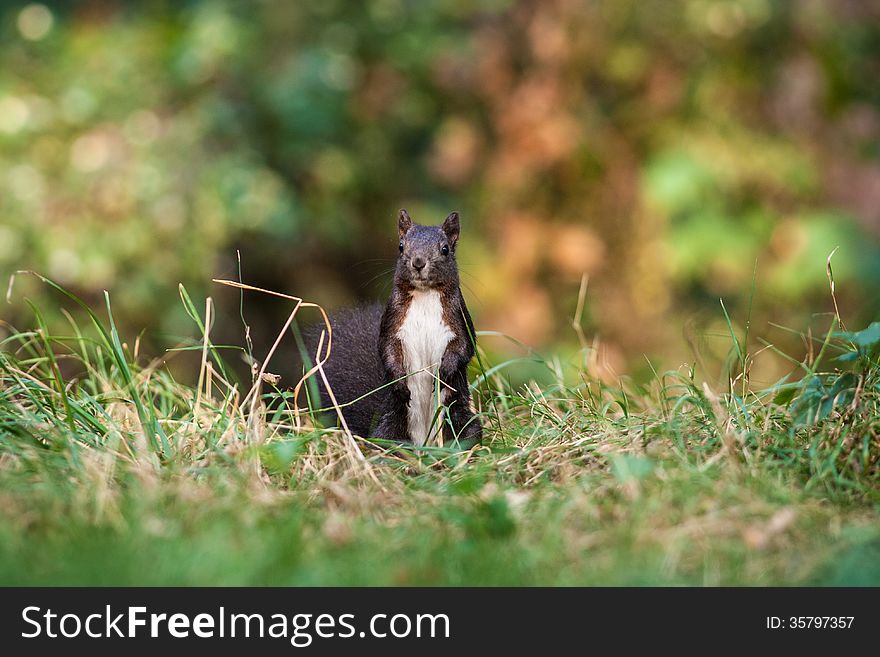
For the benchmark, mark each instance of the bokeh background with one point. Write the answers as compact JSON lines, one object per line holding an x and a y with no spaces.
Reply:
{"x":669,"y":150}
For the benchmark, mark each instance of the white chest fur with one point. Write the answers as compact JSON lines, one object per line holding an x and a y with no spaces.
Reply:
{"x":424,"y":335}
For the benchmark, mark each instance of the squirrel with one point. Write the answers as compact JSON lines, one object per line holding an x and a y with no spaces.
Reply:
{"x":400,"y":371}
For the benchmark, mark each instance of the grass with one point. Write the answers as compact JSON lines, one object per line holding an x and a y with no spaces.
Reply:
{"x":114,"y":473}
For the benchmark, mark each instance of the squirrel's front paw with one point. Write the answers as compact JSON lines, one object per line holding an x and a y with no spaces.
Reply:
{"x":453,"y":362}
{"x":401,"y":391}
{"x":448,"y":368}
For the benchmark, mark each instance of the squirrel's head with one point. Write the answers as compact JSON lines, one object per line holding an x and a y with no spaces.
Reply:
{"x":427,"y":253}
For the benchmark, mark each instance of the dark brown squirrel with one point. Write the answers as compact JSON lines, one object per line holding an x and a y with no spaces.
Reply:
{"x":423,"y":333}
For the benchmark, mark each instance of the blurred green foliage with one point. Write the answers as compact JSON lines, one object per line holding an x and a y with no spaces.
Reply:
{"x":663,"y":148}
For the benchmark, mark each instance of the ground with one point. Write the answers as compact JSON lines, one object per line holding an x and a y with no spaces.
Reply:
{"x":120,"y":475}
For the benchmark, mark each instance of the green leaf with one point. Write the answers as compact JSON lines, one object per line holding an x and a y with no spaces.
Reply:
{"x":279,"y":455}
{"x":867,"y":339}
{"x":817,"y":399}
{"x":628,"y":468}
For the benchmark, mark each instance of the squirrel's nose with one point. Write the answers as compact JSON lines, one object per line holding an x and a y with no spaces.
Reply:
{"x":418,"y":263}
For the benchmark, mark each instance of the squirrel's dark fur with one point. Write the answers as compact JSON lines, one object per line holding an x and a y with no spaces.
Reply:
{"x":422,"y":333}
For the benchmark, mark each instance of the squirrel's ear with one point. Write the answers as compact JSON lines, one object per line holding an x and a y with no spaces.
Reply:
{"x":404,"y":223}
{"x":452,"y":227}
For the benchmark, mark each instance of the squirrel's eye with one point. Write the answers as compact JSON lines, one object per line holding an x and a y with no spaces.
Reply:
{"x":401,"y":247}
{"x":444,"y":249}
